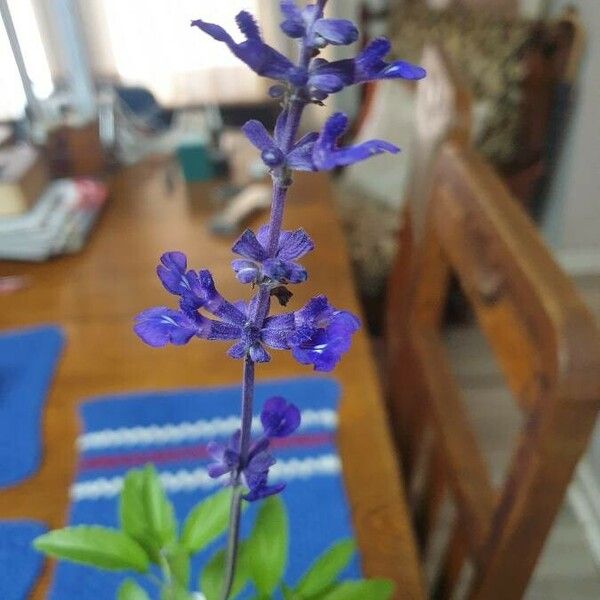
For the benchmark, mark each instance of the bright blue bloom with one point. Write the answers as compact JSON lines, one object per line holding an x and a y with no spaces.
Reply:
{"x":258,"y":267}
{"x":322,"y":334}
{"x":161,"y":326}
{"x":326,"y":155}
{"x":279,"y":420}
{"x":308,"y":23}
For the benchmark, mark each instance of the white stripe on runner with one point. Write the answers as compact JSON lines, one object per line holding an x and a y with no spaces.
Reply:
{"x":188,"y":480}
{"x":187,"y":431}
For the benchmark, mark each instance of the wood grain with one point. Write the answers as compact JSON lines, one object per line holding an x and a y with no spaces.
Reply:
{"x":548,"y":346}
{"x":95,"y":296}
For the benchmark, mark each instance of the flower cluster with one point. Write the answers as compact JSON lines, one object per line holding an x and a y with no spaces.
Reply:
{"x":279,"y":419}
{"x":317,"y":334}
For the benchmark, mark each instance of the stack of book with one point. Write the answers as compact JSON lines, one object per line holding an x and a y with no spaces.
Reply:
{"x":41,"y":218}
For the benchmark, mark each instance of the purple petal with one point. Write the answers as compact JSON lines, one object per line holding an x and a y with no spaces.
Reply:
{"x":215,"y":31}
{"x":278,"y":418}
{"x":280,"y":126}
{"x":246,"y":271}
{"x":339,"y":32}
{"x":160,"y":326}
{"x":294,"y":244}
{"x":264,"y":491}
{"x":262,"y":235}
{"x":403,"y":70}
{"x":172,"y":272}
{"x":352,"y":154}
{"x":256,"y":132}
{"x":247,"y":25}
{"x":283,"y":271}
{"x":237,"y":350}
{"x":316,"y":312}
{"x":293,"y":24}
{"x":214,"y":302}
{"x":300,"y":157}
{"x":258,"y":353}
{"x":248,"y":246}
{"x":276,"y":331}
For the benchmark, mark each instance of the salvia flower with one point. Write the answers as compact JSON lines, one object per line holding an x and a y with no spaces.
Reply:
{"x":254,"y":52}
{"x":258,"y":266}
{"x":161,"y":325}
{"x":279,"y":419}
{"x":308,"y":23}
{"x":322,"y":334}
{"x":327,"y":155}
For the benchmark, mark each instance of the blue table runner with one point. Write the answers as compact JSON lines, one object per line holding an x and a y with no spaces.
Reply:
{"x":171,"y":430}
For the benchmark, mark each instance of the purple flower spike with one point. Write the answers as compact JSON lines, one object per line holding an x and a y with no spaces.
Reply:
{"x":160,"y":326}
{"x":258,"y":267}
{"x":260,"y":57}
{"x":327,"y":155}
{"x":279,"y":419}
{"x":322,"y":335}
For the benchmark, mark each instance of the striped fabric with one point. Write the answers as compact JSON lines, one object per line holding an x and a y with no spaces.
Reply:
{"x":171,"y":430}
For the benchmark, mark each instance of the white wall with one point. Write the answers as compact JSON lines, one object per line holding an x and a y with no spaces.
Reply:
{"x":573,"y":220}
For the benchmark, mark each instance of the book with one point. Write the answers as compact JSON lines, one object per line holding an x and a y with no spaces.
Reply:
{"x":23,"y":177}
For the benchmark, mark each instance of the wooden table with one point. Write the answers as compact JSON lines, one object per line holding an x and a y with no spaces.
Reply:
{"x":95,"y":296}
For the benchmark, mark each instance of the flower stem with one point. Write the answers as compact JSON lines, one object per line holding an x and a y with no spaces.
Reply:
{"x":281,"y":183}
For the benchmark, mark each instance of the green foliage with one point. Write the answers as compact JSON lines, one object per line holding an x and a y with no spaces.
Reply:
{"x":324,"y":572}
{"x":211,"y":579}
{"x":206,"y":522}
{"x":145,"y":513}
{"x":149,"y":534}
{"x":130,"y":590}
{"x":100,"y":547}
{"x":269,"y":543}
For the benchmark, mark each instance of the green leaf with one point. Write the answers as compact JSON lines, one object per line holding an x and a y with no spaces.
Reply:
{"x":207,"y":521}
{"x":94,"y":546}
{"x":179,"y":563}
{"x":373,"y":589}
{"x":145,"y":513}
{"x":130,"y":590}
{"x":269,"y":546}
{"x":175,"y":592}
{"x":211,"y":579}
{"x":161,"y":516}
{"x":288,"y":593}
{"x":325,"y":570}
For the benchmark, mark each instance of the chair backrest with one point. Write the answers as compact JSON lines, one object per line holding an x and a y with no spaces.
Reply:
{"x":548,"y":348}
{"x":443,"y":111}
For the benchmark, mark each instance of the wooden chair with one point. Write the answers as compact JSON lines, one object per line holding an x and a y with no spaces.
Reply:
{"x":548,"y":349}
{"x":443,"y":111}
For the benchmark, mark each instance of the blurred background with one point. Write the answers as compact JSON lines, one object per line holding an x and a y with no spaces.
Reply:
{"x":104,"y":101}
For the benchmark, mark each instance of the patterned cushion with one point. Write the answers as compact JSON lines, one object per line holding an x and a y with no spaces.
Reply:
{"x":489,"y":52}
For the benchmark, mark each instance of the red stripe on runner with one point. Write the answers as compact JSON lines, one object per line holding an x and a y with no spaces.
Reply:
{"x":197,"y":452}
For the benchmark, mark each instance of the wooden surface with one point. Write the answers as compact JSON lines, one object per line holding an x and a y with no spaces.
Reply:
{"x":95,"y":296}
{"x":547,"y":345}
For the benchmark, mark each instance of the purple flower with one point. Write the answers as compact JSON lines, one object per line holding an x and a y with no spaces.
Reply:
{"x":161,"y":326}
{"x":279,"y":419}
{"x":327,"y":155}
{"x":322,"y":334}
{"x":328,"y":77}
{"x":260,"y":57}
{"x":258,"y":267}
{"x":272,"y":148}
{"x":308,"y":23}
